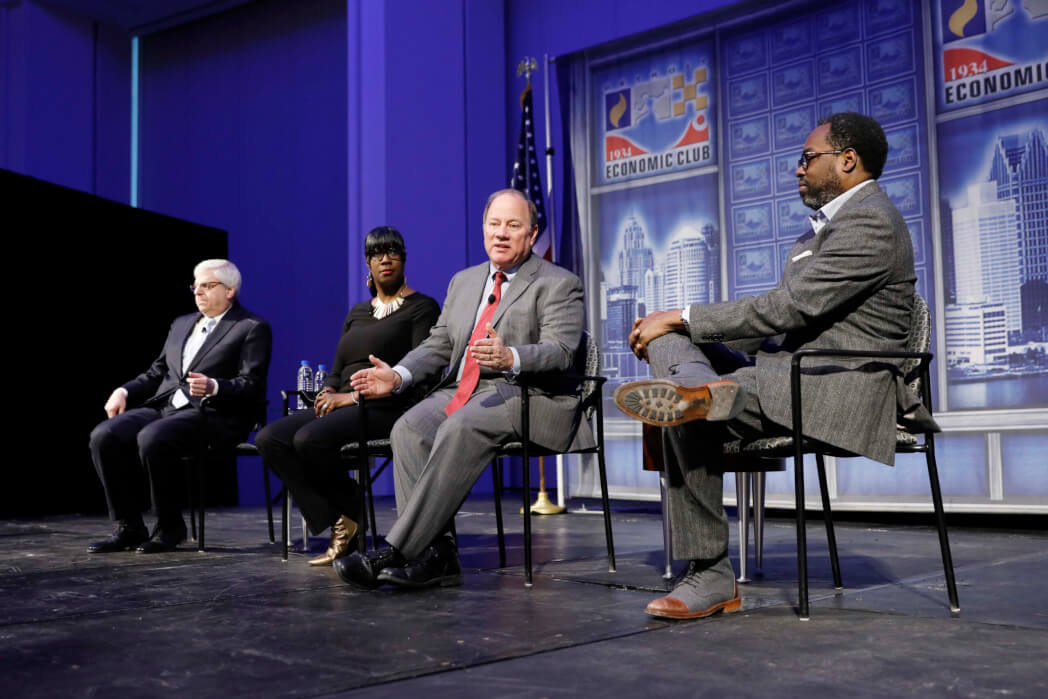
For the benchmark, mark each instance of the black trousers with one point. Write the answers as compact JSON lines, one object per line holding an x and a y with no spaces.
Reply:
{"x":304,"y":451}
{"x":139,"y":453}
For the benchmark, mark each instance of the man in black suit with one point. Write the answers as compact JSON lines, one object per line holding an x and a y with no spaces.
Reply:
{"x":204,"y":388}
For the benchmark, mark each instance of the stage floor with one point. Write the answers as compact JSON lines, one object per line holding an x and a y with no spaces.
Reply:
{"x":236,"y":621}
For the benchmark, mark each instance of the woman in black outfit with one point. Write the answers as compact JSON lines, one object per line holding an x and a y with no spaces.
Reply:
{"x":303,"y":448}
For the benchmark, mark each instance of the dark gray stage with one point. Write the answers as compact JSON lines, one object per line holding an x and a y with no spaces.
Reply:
{"x":235,"y":621}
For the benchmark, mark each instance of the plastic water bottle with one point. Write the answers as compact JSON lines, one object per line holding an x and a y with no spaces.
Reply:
{"x":320,"y":377}
{"x":305,"y":383}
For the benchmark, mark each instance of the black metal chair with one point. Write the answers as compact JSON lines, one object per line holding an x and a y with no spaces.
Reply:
{"x":196,"y":474}
{"x":745,"y":457}
{"x":587,"y":364}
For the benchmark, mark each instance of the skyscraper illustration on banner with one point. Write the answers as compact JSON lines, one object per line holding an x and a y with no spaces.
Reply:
{"x":997,"y":294}
{"x":686,"y":271}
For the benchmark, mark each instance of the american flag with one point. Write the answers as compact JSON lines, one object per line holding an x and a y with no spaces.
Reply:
{"x":526,"y":173}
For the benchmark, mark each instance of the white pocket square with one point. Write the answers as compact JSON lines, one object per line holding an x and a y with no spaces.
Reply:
{"x":801,"y":256}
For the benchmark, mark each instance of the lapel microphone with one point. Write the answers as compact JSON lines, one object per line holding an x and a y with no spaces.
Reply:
{"x":491,"y":298}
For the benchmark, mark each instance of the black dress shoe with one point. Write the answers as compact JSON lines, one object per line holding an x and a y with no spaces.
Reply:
{"x":125,"y":538}
{"x":361,"y":570}
{"x":164,"y":539}
{"x":438,"y":565}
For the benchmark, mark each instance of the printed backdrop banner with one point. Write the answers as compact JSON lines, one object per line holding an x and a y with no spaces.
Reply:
{"x":989,"y":49}
{"x":868,"y":60}
{"x":993,"y":175}
{"x":677,"y":188}
{"x":654,"y":114}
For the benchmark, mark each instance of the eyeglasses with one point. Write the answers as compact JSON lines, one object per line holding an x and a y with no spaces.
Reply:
{"x":206,"y":286}
{"x":392,"y":251}
{"x":810,"y":155}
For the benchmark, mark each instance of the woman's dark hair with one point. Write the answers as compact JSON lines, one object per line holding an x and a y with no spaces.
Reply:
{"x":379,"y":241}
{"x":384,"y":239}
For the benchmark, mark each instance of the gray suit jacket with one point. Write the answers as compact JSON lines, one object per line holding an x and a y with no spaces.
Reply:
{"x":854,"y":291}
{"x":540,"y":315}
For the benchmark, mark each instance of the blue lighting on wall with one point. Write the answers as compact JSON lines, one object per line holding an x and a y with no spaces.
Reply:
{"x":134,"y":121}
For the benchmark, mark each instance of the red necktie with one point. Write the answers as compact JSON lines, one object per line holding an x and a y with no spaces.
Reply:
{"x":471,"y":370}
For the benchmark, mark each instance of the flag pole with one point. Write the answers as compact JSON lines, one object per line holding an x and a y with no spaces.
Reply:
{"x":542,"y":504}
{"x":523,"y":170}
{"x":551,"y":219}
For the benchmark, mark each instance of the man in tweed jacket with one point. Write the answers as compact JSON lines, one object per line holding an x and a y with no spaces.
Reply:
{"x":722,"y":370}
{"x":530,"y":325}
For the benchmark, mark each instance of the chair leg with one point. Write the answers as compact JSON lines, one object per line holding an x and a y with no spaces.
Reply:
{"x":603,"y":471}
{"x":496,"y":478}
{"x":201,"y":508}
{"x":191,"y":496}
{"x":802,"y":541}
{"x":285,"y":522}
{"x":370,"y":487}
{"x":667,"y":536}
{"x":269,"y":503}
{"x":757,"y":485}
{"x":526,"y":505}
{"x":827,"y":516}
{"x":742,"y":506}
{"x":940,"y":521}
{"x":362,"y":492}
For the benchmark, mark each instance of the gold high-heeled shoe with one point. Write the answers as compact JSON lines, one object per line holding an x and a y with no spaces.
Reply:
{"x":343,"y":534}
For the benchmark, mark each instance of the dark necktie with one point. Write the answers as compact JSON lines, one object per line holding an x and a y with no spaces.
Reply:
{"x":471,"y":370}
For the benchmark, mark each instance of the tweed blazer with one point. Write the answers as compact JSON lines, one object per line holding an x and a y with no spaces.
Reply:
{"x":851,"y":286}
{"x":539,"y":315}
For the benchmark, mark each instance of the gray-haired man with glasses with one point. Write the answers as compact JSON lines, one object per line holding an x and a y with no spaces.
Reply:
{"x":204,"y":388}
{"x":722,"y":370}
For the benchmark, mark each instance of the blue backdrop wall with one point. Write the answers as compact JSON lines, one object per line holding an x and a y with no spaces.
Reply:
{"x":298,"y":126}
{"x":64,"y":87}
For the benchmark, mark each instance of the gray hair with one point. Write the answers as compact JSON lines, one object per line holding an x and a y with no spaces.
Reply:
{"x":224,"y":271}
{"x":531,"y":206}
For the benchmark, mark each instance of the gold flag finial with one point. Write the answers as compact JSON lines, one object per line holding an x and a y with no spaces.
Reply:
{"x":526,"y":67}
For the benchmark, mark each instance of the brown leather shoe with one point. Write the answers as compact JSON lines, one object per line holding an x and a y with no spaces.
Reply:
{"x":669,"y":607}
{"x":665,"y":403}
{"x":700,"y":593}
{"x":343,"y":534}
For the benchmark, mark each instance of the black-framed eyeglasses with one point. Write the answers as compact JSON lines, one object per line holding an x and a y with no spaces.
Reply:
{"x":206,"y":286}
{"x":394,"y":252}
{"x":810,"y":155}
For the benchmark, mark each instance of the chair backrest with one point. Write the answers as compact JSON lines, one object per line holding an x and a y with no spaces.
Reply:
{"x":920,"y":340}
{"x":587,"y":363}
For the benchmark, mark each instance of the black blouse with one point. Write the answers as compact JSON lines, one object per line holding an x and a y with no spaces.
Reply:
{"x":389,"y":338}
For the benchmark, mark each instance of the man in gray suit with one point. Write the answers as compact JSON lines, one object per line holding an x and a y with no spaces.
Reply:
{"x":515,"y":314}
{"x":722,"y":370}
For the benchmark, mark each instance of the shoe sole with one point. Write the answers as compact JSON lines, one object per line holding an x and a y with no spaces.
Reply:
{"x":324,"y":560}
{"x":133,"y":547}
{"x":663,"y":403}
{"x":359,"y":587}
{"x":728,"y":607}
{"x":443,"y":581}
{"x":149,"y":552}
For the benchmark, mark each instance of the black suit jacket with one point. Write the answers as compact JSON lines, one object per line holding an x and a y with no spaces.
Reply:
{"x":236,"y":355}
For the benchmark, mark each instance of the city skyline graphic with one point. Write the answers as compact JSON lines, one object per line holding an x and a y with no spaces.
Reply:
{"x":685,"y":269}
{"x":995,"y":259}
